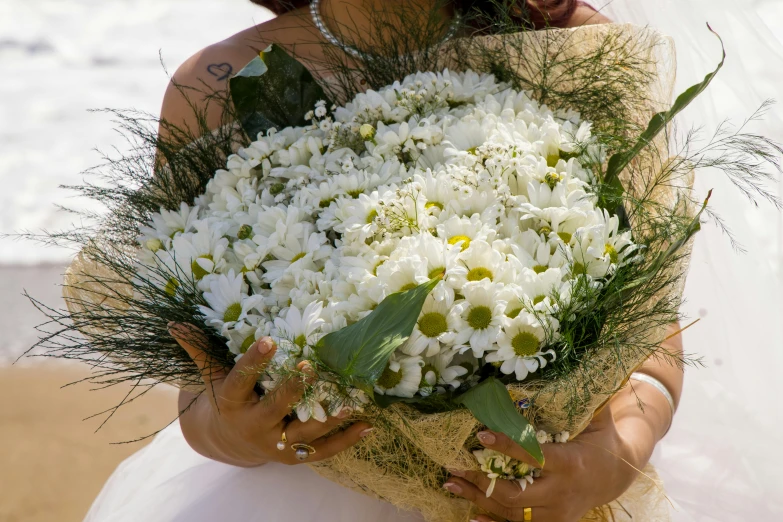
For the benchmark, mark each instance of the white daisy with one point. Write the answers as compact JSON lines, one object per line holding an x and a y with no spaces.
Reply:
{"x":297,"y":330}
{"x":520,"y":345}
{"x":401,"y":377}
{"x":480,"y":317}
{"x":227,"y":300}
{"x":435,"y":327}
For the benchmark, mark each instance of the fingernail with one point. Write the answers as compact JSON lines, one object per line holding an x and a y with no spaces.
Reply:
{"x":265,"y":345}
{"x":450,"y":486}
{"x":457,"y":472}
{"x":486,"y":437}
{"x":366,"y":432}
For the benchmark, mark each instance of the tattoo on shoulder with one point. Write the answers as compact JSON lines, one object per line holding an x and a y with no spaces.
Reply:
{"x":221,"y":71}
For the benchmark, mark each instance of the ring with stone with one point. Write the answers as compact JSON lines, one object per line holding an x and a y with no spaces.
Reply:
{"x":283,"y":440}
{"x":303,"y":451}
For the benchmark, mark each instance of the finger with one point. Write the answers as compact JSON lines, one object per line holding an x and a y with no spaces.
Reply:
{"x":239,"y":384}
{"x":327,"y":447}
{"x":193,"y":341}
{"x":462,"y":488}
{"x":554,"y":454}
{"x":483,"y":518}
{"x":277,"y":404}
{"x":298,"y":431}
{"x":507,"y":492}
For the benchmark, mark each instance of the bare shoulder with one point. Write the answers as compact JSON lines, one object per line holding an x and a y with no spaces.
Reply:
{"x":193,"y":85}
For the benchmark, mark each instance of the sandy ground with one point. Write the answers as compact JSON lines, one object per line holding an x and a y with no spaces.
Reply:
{"x":52,"y":462}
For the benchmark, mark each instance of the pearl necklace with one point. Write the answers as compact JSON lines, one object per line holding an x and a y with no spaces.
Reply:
{"x":315,"y":11}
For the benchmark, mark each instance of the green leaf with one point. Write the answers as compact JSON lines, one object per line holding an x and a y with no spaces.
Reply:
{"x":273,"y":90}
{"x":491,"y":404}
{"x":361,"y":351}
{"x":658,"y":122}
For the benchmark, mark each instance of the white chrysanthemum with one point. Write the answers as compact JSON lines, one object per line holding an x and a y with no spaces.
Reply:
{"x":441,"y":370}
{"x":401,"y":377}
{"x":227,"y":300}
{"x":520,"y":345}
{"x":462,"y":230}
{"x":435,"y":327}
{"x":477,"y":263}
{"x":170,"y":222}
{"x":297,"y":330}
{"x":203,"y":251}
{"x":480,"y":317}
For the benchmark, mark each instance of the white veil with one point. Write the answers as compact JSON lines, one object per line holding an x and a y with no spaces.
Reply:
{"x":722,"y":458}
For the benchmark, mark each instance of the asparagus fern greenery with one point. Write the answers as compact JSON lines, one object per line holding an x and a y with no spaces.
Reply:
{"x":118,"y":321}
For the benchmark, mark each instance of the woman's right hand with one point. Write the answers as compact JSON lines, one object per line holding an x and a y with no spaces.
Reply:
{"x":230,"y":423}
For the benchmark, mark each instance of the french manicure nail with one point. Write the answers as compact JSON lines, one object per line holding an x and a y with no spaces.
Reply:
{"x":450,"y":486}
{"x":457,"y":472}
{"x":486,"y":437}
{"x":366,"y":432}
{"x":265,"y":345}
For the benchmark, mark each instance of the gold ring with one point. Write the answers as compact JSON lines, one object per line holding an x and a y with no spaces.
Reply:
{"x":527,"y":514}
{"x":303,"y":451}
{"x":283,"y":441}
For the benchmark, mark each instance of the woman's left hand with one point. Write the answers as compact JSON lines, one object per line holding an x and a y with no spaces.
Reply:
{"x":589,"y":471}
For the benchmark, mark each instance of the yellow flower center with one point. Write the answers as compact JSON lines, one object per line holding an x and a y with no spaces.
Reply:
{"x":276,"y":189}
{"x":355,"y":193}
{"x":525,"y":344}
{"x":578,"y":269}
{"x":545,"y":230}
{"x":409,"y":286}
{"x":565,"y":236}
{"x":540,"y":269}
{"x":513,"y":313}
{"x":479,"y":273}
{"x":613,"y":256}
{"x":538,"y":299}
{"x":300,"y":341}
{"x":297,"y":257}
{"x":247,"y":343}
{"x":389,"y":379}
{"x":171,"y":286}
{"x":479,"y":317}
{"x":433,"y":204}
{"x":432,"y":324}
{"x":437,"y":272}
{"x":552,"y":159}
{"x":245,"y":232}
{"x":552,"y":178}
{"x":371,"y":216}
{"x":456,"y":239}
{"x":232,"y":313}
{"x":325,"y":202}
{"x":375,"y":268}
{"x":199,"y":272}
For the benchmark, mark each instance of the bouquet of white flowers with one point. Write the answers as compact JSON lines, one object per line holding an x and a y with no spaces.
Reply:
{"x":448,"y":250}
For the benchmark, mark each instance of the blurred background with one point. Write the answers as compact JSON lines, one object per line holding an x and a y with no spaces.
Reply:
{"x":59,"y":59}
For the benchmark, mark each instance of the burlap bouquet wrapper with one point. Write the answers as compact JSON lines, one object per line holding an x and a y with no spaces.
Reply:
{"x":403,"y":461}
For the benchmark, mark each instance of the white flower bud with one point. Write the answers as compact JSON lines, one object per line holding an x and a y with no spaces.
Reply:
{"x":153,"y":244}
{"x":367,"y":131}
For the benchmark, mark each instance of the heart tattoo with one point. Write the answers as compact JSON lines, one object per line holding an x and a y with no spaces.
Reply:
{"x":220,"y":70}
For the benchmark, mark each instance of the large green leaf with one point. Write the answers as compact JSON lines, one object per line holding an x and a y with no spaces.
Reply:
{"x":491,"y":404}
{"x":658,"y":122}
{"x":273,"y":90}
{"x":361,"y":351}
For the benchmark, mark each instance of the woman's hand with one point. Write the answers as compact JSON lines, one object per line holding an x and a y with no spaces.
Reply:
{"x":229,"y":423}
{"x":579,"y":475}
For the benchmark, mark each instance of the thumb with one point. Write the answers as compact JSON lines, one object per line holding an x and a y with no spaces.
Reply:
{"x":194,"y":342}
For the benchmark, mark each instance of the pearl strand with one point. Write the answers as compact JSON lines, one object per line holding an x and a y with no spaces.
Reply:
{"x":315,"y":11}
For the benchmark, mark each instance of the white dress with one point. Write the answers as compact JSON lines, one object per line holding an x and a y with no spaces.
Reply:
{"x":719,"y":461}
